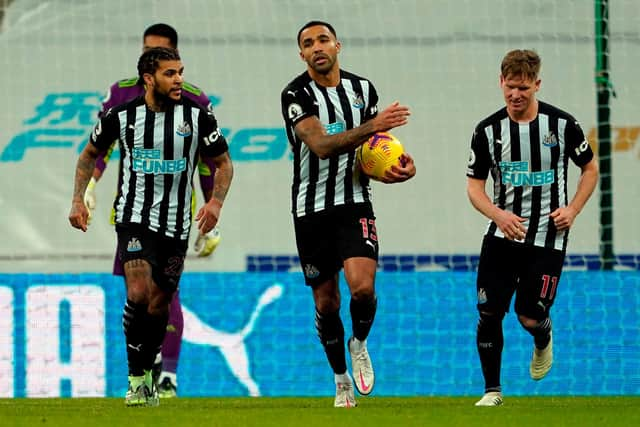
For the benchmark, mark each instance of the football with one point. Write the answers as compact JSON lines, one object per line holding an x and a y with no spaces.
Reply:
{"x":378,"y":154}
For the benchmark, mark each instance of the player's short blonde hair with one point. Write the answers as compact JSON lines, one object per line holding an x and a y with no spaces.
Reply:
{"x":521,"y":62}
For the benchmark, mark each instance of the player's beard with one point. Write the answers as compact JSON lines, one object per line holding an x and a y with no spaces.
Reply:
{"x":163,"y":100}
{"x":325,"y":68}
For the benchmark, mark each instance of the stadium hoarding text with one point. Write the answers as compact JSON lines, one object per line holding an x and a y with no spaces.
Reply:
{"x":64,"y":120}
{"x":61,"y":335}
{"x":58,"y":126}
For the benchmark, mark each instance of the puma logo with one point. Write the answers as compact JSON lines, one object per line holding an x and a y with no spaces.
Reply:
{"x":232,"y":345}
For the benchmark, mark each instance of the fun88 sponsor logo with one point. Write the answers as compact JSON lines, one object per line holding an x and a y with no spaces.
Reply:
{"x":150,"y":161}
{"x":518,"y":175}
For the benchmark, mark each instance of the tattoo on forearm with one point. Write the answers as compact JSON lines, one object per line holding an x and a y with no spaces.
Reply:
{"x":222,"y":183}
{"x":84,"y":172}
{"x":341,"y":142}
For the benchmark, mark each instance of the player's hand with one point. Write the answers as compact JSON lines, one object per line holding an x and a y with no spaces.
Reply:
{"x":207,"y":243}
{"x":90,"y":197}
{"x":208,"y":215}
{"x":511,"y":225}
{"x":563,"y":217}
{"x":404,"y":170}
{"x":79,"y":215}
{"x":391,"y":117}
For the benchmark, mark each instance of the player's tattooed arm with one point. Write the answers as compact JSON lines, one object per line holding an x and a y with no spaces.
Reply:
{"x":79,"y":214}
{"x":84,"y":170}
{"x":312,"y":132}
{"x":209,"y":214}
{"x":223,"y":176}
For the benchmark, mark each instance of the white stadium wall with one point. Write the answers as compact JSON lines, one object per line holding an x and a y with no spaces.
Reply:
{"x":439,"y":57}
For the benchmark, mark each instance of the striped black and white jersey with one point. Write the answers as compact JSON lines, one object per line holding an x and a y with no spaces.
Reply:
{"x":159,"y":152}
{"x":528,"y":163}
{"x":319,"y":184}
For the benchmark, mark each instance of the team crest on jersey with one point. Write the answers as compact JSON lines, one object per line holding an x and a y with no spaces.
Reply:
{"x":311,"y":271}
{"x":550,"y":140}
{"x":358,"y":102}
{"x":134,"y":245}
{"x":184,"y":130}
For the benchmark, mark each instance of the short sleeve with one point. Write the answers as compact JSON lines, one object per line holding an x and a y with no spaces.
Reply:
{"x":576,"y":145}
{"x":106,"y":131}
{"x":372,"y":107}
{"x":479,"y":161}
{"x":297,"y":104}
{"x":111,"y":99}
{"x":212,"y":142}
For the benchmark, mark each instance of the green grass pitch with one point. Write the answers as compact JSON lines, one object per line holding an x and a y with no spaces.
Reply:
{"x":318,"y":411}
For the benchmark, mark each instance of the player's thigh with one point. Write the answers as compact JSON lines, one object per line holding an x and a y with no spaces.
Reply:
{"x":170,"y":263}
{"x":137,"y":254}
{"x":317,"y":247}
{"x":539,"y":281}
{"x":360,"y":274}
{"x":326,"y":295}
{"x":497,"y":274}
{"x":356,"y":232}
{"x":135,"y":243}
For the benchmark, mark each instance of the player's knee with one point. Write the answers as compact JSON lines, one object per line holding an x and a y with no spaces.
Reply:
{"x":489,"y":319}
{"x":527,"y":322}
{"x":159,"y":303}
{"x":326,"y":298}
{"x":361,"y":287}
{"x":137,"y":284}
{"x":363,"y":292}
{"x":360,"y":275}
{"x":137,"y":293}
{"x":138,"y":280}
{"x":327,"y":304}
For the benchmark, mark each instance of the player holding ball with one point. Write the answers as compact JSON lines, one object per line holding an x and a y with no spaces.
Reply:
{"x":328,"y":114}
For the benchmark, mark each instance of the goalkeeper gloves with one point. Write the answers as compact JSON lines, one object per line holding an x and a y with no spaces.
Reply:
{"x":90,"y":197}
{"x":207,"y":243}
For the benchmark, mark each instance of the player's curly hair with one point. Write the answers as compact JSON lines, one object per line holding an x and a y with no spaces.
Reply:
{"x":150,"y":60}
{"x":521,"y":62}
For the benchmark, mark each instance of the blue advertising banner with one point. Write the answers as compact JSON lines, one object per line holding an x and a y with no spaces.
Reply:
{"x":253,"y":334}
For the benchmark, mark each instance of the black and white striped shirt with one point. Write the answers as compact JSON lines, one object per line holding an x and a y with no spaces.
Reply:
{"x":159,"y":153}
{"x":528,"y":163}
{"x":321,"y":184}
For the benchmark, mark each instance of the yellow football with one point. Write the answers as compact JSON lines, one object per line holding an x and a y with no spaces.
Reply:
{"x":378,"y":154}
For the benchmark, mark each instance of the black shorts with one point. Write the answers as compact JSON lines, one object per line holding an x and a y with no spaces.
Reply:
{"x":531,"y":272}
{"x":325,"y":239}
{"x":165,"y":254}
